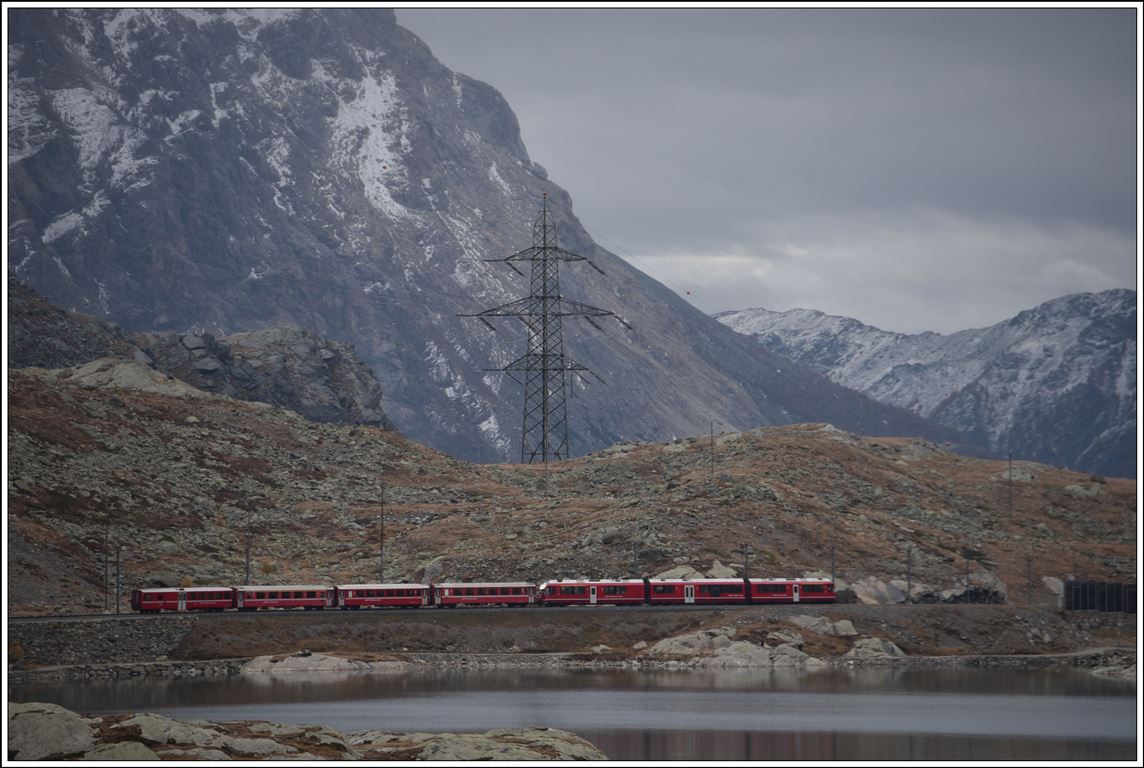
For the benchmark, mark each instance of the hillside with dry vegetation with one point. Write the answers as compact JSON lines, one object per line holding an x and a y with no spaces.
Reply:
{"x":179,"y":477}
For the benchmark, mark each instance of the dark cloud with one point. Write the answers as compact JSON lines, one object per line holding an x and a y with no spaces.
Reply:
{"x":693,"y":134}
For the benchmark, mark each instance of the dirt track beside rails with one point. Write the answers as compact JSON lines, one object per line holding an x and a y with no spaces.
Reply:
{"x":919,"y":630}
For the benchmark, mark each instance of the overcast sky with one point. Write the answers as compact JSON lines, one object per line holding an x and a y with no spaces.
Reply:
{"x":924,"y":169}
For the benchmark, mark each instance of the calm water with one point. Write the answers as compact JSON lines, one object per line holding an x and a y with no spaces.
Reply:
{"x":872,"y":714}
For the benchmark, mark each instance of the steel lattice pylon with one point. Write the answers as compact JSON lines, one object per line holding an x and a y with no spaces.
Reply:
{"x":545,"y":367}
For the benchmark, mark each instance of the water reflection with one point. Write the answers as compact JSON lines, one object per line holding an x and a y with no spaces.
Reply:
{"x":875,"y":713}
{"x":748,"y":745}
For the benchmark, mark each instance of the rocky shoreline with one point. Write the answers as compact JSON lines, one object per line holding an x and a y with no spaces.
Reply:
{"x":38,"y":731}
{"x":1117,"y":663}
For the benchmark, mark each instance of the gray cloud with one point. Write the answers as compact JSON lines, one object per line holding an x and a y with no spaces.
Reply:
{"x":920,"y":158}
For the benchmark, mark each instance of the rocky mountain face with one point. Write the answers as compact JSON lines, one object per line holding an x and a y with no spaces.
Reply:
{"x":287,"y":367}
{"x":1056,"y":383}
{"x":226,"y":171}
{"x":114,"y":452}
{"x":41,"y":335}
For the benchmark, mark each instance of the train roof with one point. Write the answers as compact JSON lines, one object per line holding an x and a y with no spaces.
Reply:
{"x":793,"y":581}
{"x":729,"y":579}
{"x":383,"y":586}
{"x":484,"y":584}
{"x":185,"y":589}
{"x":592,"y":581}
{"x":280,"y":587}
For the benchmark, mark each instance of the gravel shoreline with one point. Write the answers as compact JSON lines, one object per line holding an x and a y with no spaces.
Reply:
{"x":1099,"y":660}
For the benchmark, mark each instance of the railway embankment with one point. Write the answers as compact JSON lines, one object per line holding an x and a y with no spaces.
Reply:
{"x":777,"y":636}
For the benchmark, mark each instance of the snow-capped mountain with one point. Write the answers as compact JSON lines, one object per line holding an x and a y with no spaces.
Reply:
{"x":177,"y":170}
{"x":1056,"y":383}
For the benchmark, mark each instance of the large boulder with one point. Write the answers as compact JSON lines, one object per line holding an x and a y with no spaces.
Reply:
{"x":156,"y":729}
{"x":739,"y":653}
{"x":46,"y":731}
{"x":824,"y":626}
{"x":122,"y":750}
{"x":873,"y":591}
{"x":699,"y":643}
{"x":874,"y":648}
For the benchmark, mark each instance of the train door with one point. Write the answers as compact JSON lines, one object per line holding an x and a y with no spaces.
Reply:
{"x":592,"y":594}
{"x":182,"y":601}
{"x":688,"y":593}
{"x":794,"y":592}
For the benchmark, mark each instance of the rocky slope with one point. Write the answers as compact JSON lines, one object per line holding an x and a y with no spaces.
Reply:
{"x":183,"y":475}
{"x":38,"y":731}
{"x":322,"y":380}
{"x":1056,"y":383}
{"x":222,"y":171}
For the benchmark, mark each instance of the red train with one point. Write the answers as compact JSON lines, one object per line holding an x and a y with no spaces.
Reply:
{"x":516,"y":593}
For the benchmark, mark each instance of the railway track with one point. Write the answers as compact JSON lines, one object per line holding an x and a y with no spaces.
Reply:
{"x":382,"y":612}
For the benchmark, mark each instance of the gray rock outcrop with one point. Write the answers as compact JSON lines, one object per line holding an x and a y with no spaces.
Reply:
{"x":874,"y":648}
{"x":47,"y":731}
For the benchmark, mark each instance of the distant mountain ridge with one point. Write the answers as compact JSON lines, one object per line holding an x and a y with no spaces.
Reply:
{"x":215,"y":171}
{"x":1056,"y":383}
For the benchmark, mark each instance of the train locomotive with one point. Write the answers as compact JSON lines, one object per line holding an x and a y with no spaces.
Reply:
{"x":566,"y":592}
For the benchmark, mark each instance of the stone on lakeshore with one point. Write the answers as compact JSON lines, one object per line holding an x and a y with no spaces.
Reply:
{"x":817,"y":624}
{"x":788,"y":636}
{"x":873,"y":648}
{"x":257,"y":747}
{"x":316,"y":662}
{"x":526,"y":744}
{"x":196,"y":753}
{"x":844,"y":628}
{"x":121,"y":750}
{"x":37,"y":731}
{"x":740,"y":654}
{"x":694,"y":644}
{"x":163,"y":730}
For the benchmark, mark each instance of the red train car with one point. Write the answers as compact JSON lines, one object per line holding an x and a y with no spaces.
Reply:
{"x":570,"y":592}
{"x":182,"y":599}
{"x":354,"y":596}
{"x":696,"y":591}
{"x":484,"y":593}
{"x":307,"y":596}
{"x":765,"y":591}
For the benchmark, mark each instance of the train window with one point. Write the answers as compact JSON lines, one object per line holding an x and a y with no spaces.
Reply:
{"x":615,"y":590}
{"x":664,"y":589}
{"x":721,"y":589}
{"x":260,"y":595}
{"x":812,"y":588}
